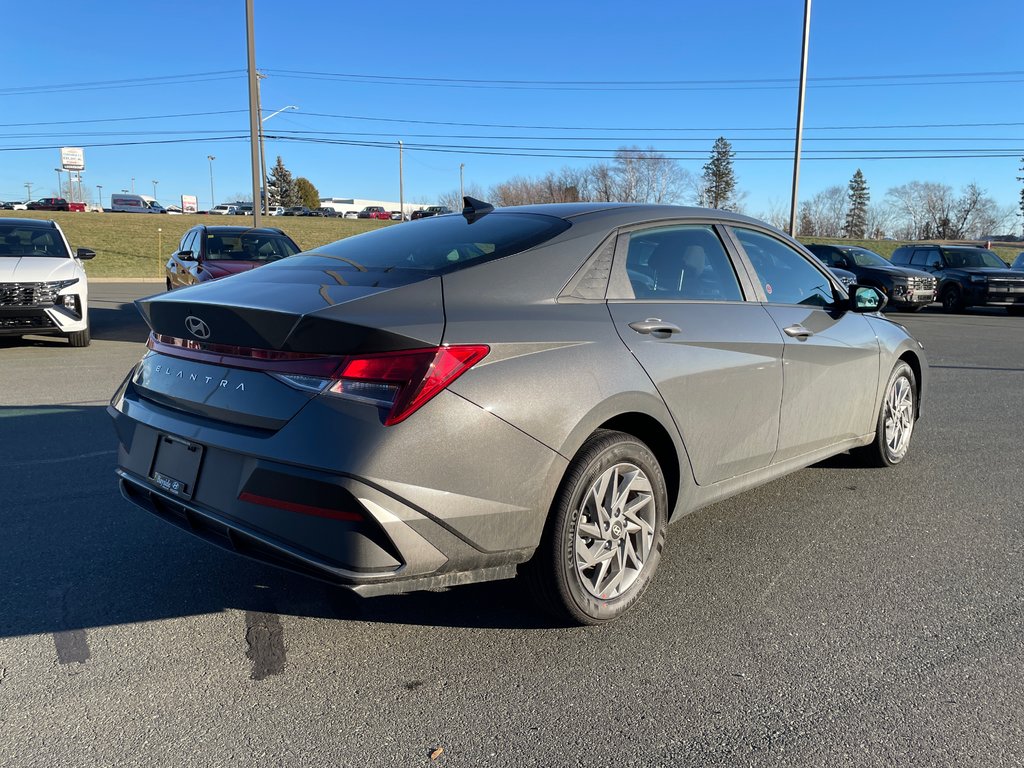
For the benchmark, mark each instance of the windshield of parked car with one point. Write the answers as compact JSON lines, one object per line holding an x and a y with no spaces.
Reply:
{"x":972,"y":257}
{"x":862,"y":257}
{"x":248,"y":246}
{"x":31,"y":241}
{"x":437,"y":245}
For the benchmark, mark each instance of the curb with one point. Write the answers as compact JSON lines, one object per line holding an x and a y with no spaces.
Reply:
{"x":126,"y":279}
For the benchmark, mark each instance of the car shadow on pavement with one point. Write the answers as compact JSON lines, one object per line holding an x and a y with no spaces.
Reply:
{"x":75,"y":555}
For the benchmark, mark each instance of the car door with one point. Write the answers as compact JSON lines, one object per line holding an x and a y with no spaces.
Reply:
{"x":178,"y":268}
{"x":831,"y":356}
{"x":681,"y":308}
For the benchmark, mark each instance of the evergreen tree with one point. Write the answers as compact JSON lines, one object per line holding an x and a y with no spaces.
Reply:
{"x":309,"y":196}
{"x":857,"y":213}
{"x":281,"y":188}
{"x":718,"y":187}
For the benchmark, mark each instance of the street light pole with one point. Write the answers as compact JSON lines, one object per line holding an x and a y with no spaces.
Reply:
{"x":401,"y":183}
{"x":213,"y":197}
{"x":800,"y":117}
{"x":133,"y":185}
{"x":155,"y":182}
{"x":254,"y":115}
{"x":462,"y":186}
{"x":99,"y":194}
{"x":28,"y":186}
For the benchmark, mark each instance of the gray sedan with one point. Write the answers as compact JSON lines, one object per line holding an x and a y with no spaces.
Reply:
{"x":534,"y":391}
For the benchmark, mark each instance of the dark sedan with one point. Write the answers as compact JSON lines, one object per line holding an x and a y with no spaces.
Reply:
{"x":211,"y":252}
{"x":536,"y":390}
{"x":907,"y":289}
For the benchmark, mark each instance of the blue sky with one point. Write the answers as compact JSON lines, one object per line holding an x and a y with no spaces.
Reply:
{"x":697,"y":71}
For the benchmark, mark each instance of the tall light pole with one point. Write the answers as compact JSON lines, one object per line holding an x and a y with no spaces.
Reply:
{"x":155,"y":182}
{"x":213,"y":197}
{"x":99,"y":194}
{"x":133,"y":185}
{"x":254,"y":114}
{"x":60,"y":190}
{"x":263,"y":152}
{"x":462,"y":186}
{"x":800,"y":117}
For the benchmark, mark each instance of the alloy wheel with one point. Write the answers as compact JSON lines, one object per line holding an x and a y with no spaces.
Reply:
{"x":899,"y":416}
{"x":615,"y":531}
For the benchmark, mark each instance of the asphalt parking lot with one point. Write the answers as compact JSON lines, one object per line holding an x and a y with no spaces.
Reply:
{"x":839,"y":616}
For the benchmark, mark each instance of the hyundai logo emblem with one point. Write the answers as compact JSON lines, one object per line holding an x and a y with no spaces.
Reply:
{"x":197,"y":327}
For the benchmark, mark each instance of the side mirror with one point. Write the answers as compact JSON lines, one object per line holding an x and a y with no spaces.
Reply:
{"x":866,"y":298}
{"x":186,"y":256}
{"x":85,"y":253}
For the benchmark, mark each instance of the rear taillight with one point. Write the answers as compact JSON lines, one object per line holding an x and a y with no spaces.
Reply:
{"x":400,"y":382}
{"x":403,"y":382}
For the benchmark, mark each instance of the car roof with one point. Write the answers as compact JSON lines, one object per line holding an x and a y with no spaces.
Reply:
{"x":225,"y":229}
{"x":30,"y":223}
{"x":620,"y":214}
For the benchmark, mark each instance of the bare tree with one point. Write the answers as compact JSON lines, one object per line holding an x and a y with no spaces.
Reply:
{"x":928,"y":210}
{"x":777,"y":214}
{"x":824,"y":214}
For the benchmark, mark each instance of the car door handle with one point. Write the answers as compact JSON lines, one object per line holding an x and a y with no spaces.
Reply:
{"x":797,"y":331}
{"x":654,"y":325}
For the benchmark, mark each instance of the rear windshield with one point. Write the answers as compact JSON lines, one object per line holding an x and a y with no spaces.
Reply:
{"x":436,"y":245}
{"x":31,"y":241}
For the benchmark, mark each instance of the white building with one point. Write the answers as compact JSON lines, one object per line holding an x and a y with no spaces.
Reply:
{"x":345,"y":204}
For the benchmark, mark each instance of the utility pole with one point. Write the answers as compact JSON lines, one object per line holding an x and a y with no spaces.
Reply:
{"x":28,"y":186}
{"x":263,"y":153}
{"x":99,"y":194}
{"x":401,"y":183}
{"x":462,"y":186}
{"x":254,"y":115}
{"x":800,"y":117}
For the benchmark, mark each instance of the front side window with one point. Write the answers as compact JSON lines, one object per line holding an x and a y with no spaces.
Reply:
{"x":680,"y":263}
{"x":786,"y":276}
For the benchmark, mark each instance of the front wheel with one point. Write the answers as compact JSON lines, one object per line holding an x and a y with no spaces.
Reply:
{"x":953,"y":299}
{"x":605,"y":533}
{"x":896,"y":420}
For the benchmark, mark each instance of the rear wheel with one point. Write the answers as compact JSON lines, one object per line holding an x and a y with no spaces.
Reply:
{"x":605,"y":533}
{"x":895,"y":420}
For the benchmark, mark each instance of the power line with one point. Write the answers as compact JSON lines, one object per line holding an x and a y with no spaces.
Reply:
{"x":99,"y":85}
{"x":121,"y":119}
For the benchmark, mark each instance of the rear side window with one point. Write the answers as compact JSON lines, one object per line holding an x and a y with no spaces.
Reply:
{"x":436,"y":245}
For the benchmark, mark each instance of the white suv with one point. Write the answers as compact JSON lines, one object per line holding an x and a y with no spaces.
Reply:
{"x":43,"y":287}
{"x":224,"y":210}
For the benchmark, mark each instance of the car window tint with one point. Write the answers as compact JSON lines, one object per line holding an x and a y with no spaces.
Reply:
{"x":920,"y":257}
{"x":189,"y":243}
{"x":680,"y":263}
{"x":31,"y":241}
{"x":785,"y":274}
{"x":247,"y":247}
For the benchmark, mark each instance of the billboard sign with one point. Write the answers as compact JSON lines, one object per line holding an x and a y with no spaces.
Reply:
{"x":72,"y":158}
{"x":189,"y":204}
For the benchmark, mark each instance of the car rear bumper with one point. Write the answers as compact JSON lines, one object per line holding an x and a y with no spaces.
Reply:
{"x":400,"y":518}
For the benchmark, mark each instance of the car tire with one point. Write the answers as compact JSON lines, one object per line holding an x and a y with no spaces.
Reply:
{"x":600,"y":550}
{"x":953,"y":299}
{"x":896,"y":419}
{"x":80,"y":338}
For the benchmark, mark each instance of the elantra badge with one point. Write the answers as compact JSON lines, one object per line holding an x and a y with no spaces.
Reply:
{"x":197,"y":327}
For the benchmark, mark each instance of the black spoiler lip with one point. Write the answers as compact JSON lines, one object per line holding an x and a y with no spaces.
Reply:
{"x":308,"y":317}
